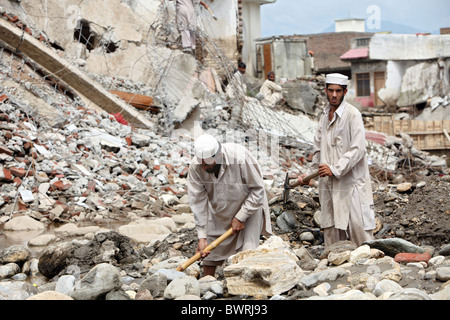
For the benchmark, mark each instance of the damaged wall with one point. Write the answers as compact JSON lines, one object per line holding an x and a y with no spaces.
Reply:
{"x":409,"y":47}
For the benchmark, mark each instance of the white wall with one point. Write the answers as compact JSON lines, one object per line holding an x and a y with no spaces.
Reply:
{"x":409,"y":47}
{"x":350,"y":25}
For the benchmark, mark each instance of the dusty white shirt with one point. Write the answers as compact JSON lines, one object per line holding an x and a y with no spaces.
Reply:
{"x":341,"y":144}
{"x":272,"y":93}
{"x":238,"y":191}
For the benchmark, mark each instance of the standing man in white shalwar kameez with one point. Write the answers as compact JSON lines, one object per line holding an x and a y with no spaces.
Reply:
{"x":187,"y":22}
{"x":345,"y":192}
{"x":226,"y":190}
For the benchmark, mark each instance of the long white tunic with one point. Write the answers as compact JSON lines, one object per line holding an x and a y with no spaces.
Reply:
{"x":239,"y":192}
{"x":187,"y":21}
{"x":272,"y":93}
{"x":341,"y":144}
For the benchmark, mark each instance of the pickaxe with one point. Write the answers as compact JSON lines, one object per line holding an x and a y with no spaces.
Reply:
{"x":288,"y":186}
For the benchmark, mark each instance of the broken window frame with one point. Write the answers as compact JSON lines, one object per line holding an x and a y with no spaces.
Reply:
{"x":362,"y":84}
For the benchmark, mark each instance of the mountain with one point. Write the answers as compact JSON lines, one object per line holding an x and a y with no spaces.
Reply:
{"x":392,"y":27}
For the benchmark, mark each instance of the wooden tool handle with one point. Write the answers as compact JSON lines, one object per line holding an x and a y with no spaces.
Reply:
{"x":305,"y":179}
{"x":210,"y":247}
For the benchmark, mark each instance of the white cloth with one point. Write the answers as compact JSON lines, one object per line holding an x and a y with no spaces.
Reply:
{"x":239,"y":192}
{"x":337,"y":78}
{"x":272,"y":93}
{"x":187,"y":22}
{"x":341,"y":144}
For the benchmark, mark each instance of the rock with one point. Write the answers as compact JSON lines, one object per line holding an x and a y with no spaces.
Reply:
{"x":23,"y":223}
{"x":349,"y":295}
{"x":287,"y":222}
{"x":155,"y":284}
{"x":55,"y":258}
{"x":307,"y":262}
{"x":392,"y":246}
{"x":117,"y":295}
{"x":338,"y":258}
{"x":50,"y":295}
{"x":326,"y":275}
{"x":65,"y":284}
{"x":16,"y":290}
{"x":384,"y":286}
{"x":182,"y":286}
{"x":337,"y":247}
{"x":404,"y":187}
{"x":410,"y":294}
{"x":15,"y":253}
{"x":435,"y":261}
{"x":143,"y":233}
{"x":307,"y":236}
{"x":445,"y":251}
{"x":443,"y":294}
{"x":189,"y":297}
{"x":143,"y":295}
{"x":322,"y":289}
{"x":102,"y":279}
{"x":173,"y":263}
{"x":443,"y":273}
{"x":8,"y":270}
{"x":361,"y":253}
{"x":209,"y":283}
{"x":268,"y":270}
{"x":42,"y":240}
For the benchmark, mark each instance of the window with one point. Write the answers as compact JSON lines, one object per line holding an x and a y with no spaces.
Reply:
{"x":363,"y":42}
{"x":363,"y":84}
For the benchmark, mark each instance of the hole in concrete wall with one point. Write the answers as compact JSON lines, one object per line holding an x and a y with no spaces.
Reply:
{"x":56,"y":46}
{"x":84,"y":34}
{"x":110,"y":47}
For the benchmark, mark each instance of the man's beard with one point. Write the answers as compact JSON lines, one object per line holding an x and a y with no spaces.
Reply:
{"x":214,"y":169}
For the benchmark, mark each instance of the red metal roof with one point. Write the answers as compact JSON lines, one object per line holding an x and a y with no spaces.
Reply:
{"x":360,"y":53}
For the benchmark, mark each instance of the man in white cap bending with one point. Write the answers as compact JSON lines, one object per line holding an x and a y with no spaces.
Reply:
{"x":226,"y":190}
{"x":345,"y":192}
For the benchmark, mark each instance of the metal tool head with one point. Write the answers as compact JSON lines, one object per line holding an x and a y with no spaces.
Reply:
{"x":287,"y":189}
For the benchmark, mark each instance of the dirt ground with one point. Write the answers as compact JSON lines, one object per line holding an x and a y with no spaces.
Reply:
{"x":421,"y":215}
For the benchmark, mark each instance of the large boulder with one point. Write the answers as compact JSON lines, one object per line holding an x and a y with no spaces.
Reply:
{"x":268,"y":270}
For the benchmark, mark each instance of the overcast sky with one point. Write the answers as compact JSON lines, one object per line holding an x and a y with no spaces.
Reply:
{"x":288,"y":17}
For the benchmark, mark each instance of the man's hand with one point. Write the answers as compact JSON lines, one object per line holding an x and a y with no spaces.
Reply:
{"x":325,"y":171}
{"x":237,"y":225}
{"x":202,"y":244}
{"x":302,"y":183}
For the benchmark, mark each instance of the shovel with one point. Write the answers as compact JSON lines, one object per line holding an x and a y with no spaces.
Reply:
{"x":210,"y":247}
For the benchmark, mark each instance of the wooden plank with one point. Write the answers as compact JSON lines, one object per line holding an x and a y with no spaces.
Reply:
{"x":427,"y":135}
{"x":138,"y":101}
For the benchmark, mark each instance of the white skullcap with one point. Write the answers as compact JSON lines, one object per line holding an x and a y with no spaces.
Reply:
{"x":337,"y":78}
{"x":206,"y":146}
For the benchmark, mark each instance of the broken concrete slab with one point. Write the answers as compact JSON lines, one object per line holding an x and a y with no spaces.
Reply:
{"x":71,"y":75}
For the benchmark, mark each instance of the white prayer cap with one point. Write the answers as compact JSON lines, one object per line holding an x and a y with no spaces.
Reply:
{"x":337,"y":78}
{"x":206,"y":146}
